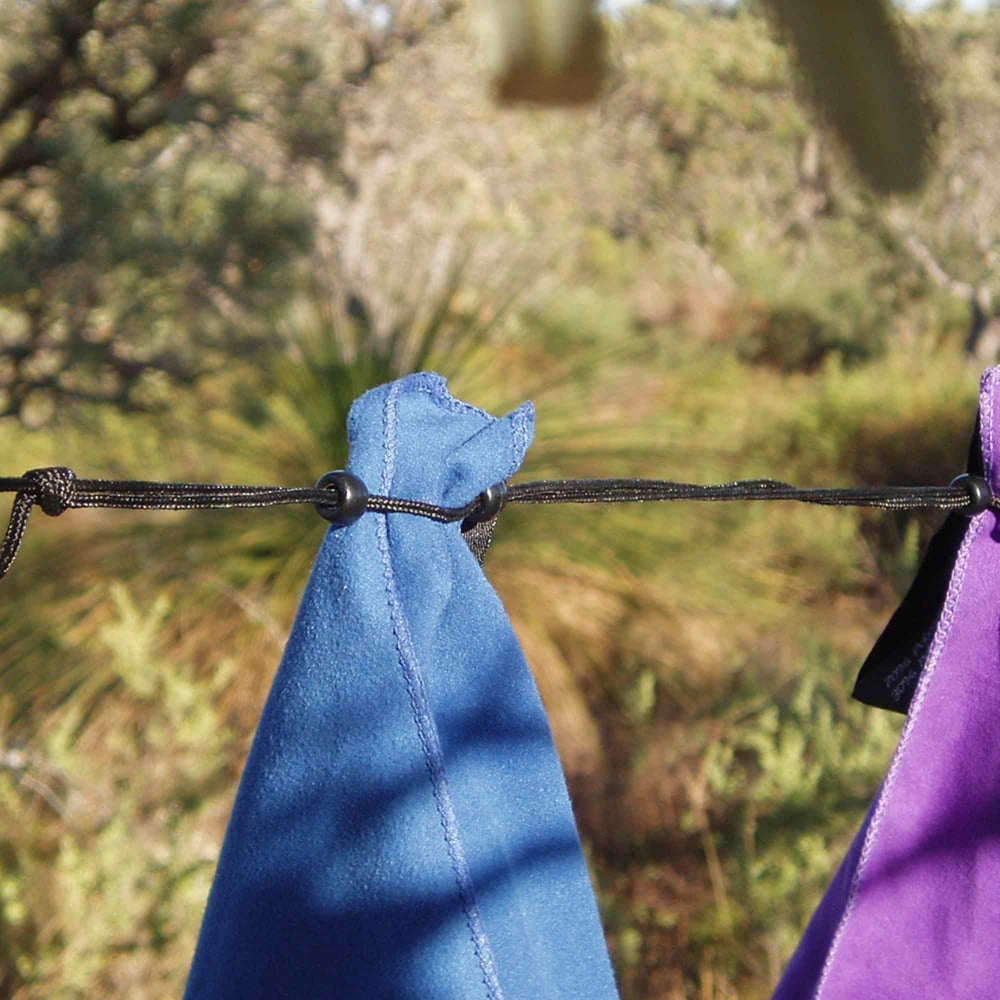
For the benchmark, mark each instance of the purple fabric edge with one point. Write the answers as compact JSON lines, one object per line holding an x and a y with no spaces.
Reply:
{"x":941,"y":636}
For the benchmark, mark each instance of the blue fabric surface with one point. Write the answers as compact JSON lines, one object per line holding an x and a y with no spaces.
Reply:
{"x":402,"y":828}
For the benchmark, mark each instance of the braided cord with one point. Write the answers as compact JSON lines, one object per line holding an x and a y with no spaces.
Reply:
{"x":57,"y":489}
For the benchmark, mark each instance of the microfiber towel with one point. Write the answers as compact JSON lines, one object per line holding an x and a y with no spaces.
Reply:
{"x":402,"y":827}
{"x":914,"y":911}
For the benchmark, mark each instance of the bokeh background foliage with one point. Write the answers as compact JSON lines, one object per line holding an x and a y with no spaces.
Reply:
{"x":222,"y":220}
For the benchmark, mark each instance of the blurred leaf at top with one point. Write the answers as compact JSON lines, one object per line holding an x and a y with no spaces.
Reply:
{"x":866,"y":82}
{"x":544,"y":51}
{"x":854,"y":60}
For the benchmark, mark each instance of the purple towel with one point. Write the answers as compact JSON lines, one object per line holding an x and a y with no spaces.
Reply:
{"x":914,"y":911}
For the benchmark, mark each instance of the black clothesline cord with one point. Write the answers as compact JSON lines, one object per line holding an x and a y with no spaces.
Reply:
{"x":342,"y":498}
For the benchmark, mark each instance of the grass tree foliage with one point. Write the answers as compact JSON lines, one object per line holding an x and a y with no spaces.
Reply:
{"x":713,"y":297}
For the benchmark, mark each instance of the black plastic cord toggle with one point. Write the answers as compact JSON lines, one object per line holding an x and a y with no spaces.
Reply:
{"x":491,"y":502}
{"x":53,"y":488}
{"x":980,"y":496}
{"x":353,"y":500}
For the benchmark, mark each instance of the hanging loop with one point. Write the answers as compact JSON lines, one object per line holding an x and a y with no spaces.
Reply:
{"x":53,"y":489}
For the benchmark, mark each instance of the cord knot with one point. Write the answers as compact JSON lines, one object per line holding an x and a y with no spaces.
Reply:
{"x":55,"y":488}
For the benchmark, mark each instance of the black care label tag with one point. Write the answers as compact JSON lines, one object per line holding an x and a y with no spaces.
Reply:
{"x":889,"y":676}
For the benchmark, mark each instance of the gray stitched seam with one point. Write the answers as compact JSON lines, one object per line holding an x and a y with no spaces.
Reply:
{"x":426,"y":729}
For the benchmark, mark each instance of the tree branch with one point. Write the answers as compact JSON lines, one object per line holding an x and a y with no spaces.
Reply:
{"x":930,"y":265}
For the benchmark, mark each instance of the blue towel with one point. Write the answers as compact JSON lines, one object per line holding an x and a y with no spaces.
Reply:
{"x":402,"y":827}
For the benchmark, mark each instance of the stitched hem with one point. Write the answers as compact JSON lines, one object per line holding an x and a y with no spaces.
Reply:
{"x":986,"y":423}
{"x":424,"y":721}
{"x":522,"y":419}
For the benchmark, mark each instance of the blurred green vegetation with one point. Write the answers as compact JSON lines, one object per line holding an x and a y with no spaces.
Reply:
{"x":688,"y":280}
